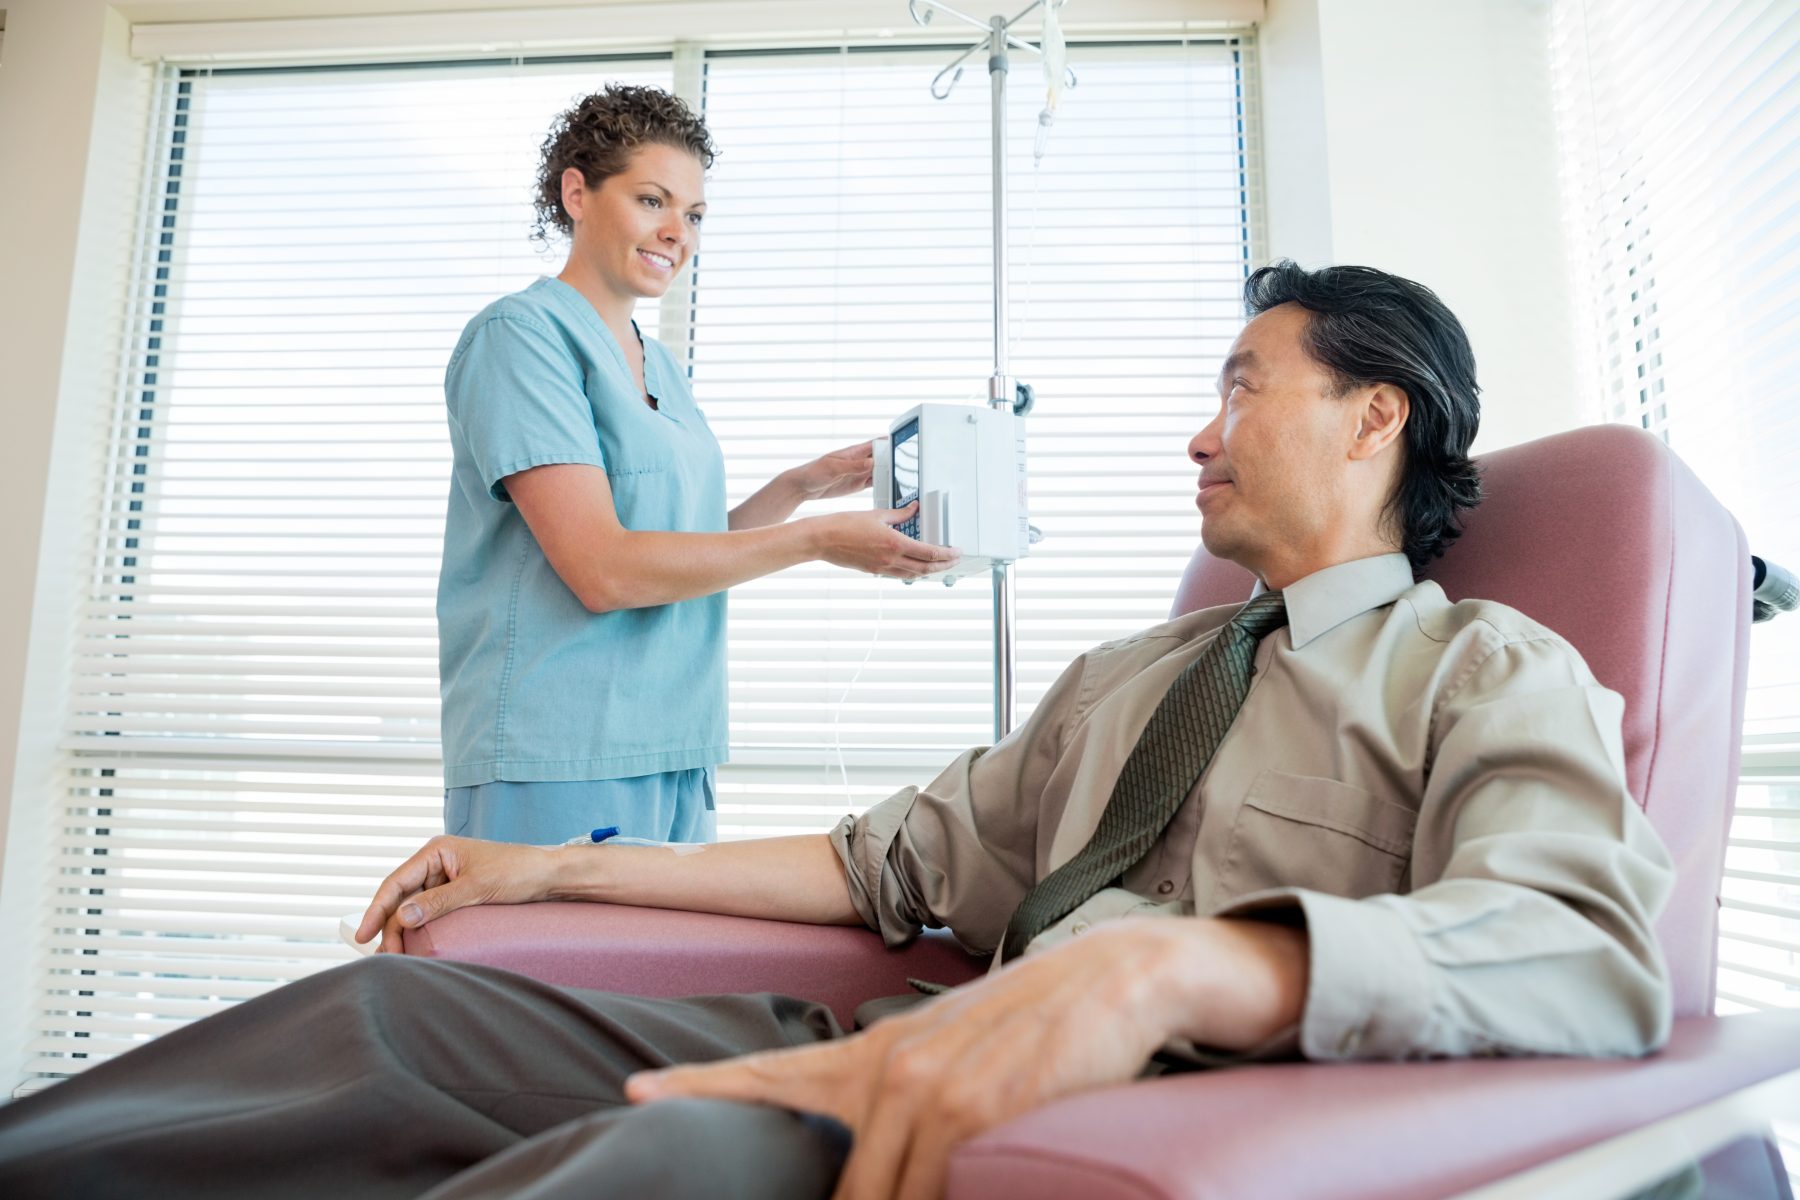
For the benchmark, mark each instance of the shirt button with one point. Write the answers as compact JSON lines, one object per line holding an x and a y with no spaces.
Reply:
{"x":1165,"y":887}
{"x":1079,"y":927}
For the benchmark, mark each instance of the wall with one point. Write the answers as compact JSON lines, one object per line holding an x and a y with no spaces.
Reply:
{"x":1416,"y":136}
{"x":71,"y":130}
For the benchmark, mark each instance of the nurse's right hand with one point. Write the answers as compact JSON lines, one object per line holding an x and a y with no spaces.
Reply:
{"x":449,"y":873}
{"x":868,"y":541}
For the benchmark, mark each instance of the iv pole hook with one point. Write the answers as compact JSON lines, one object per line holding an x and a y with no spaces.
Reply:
{"x":922,"y":12}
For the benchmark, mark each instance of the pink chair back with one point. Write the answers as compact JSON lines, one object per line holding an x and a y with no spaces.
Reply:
{"x":1604,"y":536}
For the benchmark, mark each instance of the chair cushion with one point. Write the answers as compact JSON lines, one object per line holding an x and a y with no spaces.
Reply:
{"x":1359,"y":1131}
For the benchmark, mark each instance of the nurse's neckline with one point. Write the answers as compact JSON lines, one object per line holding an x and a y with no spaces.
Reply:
{"x":644,"y":357}
{"x":612,"y":340}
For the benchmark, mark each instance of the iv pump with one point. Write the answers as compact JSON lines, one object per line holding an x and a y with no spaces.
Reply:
{"x":966,"y":468}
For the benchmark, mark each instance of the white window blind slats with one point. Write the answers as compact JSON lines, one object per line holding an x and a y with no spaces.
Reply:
{"x":1125,"y":268}
{"x":192,"y":880}
{"x":1679,"y":170}
{"x":253,"y":737}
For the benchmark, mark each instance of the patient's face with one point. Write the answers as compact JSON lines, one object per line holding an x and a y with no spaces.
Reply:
{"x":1276,"y":491}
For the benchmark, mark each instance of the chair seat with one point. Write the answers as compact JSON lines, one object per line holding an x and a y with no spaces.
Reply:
{"x":1360,"y":1131}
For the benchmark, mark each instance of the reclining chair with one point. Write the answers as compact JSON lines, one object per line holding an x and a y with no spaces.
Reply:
{"x":1603,"y":535}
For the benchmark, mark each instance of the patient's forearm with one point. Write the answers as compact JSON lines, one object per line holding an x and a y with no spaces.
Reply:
{"x":783,"y":879}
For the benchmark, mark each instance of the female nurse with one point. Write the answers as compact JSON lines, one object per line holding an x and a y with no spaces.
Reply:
{"x":587,"y":546}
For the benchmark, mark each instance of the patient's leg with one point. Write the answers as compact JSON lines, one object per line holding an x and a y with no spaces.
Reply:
{"x":383,"y":1078}
{"x":704,"y":1149}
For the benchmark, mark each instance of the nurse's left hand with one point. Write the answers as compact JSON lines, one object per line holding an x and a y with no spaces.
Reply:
{"x":840,"y":473}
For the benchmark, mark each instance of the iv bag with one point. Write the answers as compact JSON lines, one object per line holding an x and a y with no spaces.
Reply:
{"x":1056,"y":56}
{"x":1056,"y":62}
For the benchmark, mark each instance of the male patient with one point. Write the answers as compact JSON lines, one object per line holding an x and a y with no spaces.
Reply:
{"x":1347,"y":819}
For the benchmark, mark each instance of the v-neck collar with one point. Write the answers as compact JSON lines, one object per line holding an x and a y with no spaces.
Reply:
{"x":652,"y":376}
{"x":573,"y":296}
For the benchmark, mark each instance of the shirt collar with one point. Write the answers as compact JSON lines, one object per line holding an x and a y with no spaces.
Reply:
{"x":1326,"y":599}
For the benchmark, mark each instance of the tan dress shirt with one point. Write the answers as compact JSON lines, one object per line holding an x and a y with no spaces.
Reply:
{"x":1436,"y":790}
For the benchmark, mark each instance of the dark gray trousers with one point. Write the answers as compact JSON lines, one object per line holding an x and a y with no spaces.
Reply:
{"x":399,"y":1077}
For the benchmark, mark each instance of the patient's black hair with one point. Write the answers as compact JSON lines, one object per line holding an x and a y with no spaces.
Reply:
{"x":1366,"y":327}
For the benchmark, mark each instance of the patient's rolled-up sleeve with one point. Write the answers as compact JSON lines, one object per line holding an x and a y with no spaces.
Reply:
{"x":1536,"y":885}
{"x":961,"y":851}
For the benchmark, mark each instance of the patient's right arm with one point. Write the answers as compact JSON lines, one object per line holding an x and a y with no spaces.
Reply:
{"x":784,"y":879}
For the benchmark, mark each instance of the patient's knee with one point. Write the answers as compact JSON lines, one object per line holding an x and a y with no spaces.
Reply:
{"x":374,"y":981}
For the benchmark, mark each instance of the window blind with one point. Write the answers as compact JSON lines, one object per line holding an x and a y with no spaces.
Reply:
{"x":1679,"y":165}
{"x":845,"y":277}
{"x":253,"y":738}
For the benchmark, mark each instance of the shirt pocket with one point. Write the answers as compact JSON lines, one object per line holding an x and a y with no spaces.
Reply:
{"x":1309,"y":832}
{"x":644,"y":495}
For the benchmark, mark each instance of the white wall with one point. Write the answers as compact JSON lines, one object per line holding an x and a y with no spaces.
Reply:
{"x":70,"y":136}
{"x":1416,"y":136}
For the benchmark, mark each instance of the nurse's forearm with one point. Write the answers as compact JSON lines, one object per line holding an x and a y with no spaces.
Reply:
{"x":569,"y":509}
{"x":631,"y":569}
{"x":781,"y":879}
{"x":771,"y":504}
{"x":639,"y":569}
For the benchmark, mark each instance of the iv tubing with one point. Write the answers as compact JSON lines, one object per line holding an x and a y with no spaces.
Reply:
{"x":837,"y":713}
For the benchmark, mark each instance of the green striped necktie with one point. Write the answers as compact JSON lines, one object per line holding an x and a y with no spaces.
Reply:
{"x":1169,"y":758}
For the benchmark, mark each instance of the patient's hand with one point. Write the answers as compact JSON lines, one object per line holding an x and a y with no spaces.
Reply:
{"x":449,"y":873}
{"x":1084,"y":1015}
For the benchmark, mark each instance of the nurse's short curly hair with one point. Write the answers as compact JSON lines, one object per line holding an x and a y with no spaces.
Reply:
{"x":598,"y":137}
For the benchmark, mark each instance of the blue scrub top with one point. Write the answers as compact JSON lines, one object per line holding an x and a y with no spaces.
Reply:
{"x":534,"y":686}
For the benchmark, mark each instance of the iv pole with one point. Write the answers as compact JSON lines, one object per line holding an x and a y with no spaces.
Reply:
{"x":1003,"y":391}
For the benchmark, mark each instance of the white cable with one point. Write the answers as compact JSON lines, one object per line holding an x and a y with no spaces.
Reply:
{"x":837,"y":742}
{"x":1016,"y":334}
{"x":1056,"y":64}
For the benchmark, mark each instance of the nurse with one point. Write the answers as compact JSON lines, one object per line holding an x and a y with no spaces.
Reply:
{"x":587,"y":546}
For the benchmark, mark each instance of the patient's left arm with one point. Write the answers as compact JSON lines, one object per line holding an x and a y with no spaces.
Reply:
{"x":785,"y":879}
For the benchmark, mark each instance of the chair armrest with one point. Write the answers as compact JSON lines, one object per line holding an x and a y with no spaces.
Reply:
{"x":665,"y":952}
{"x":1359,"y":1131}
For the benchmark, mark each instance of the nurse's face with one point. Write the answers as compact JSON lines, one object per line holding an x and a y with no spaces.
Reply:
{"x":638,"y":229}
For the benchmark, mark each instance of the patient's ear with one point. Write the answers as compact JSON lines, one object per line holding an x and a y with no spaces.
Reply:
{"x":1381,"y":410}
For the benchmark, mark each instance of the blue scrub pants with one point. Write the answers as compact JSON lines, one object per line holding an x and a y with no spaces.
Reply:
{"x":674,"y":806}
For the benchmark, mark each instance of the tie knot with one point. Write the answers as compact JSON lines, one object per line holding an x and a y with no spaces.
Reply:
{"x":1261,"y":616}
